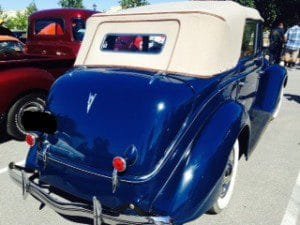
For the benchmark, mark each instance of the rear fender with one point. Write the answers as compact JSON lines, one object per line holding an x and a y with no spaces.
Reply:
{"x":193,"y":186}
{"x":31,"y":160}
{"x":271,"y":82}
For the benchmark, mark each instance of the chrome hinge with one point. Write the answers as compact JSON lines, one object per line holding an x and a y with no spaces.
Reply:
{"x":44,"y":154}
{"x":97,"y":208}
{"x":115,"y":181}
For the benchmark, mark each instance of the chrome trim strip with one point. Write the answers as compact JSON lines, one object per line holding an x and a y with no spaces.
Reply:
{"x":77,"y":209}
{"x":74,"y":167}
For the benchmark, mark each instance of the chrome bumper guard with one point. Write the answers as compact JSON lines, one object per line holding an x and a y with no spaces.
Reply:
{"x":76,"y":209}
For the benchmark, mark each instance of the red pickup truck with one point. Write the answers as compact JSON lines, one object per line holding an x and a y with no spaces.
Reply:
{"x":54,"y":38}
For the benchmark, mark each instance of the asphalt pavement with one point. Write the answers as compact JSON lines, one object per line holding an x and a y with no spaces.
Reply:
{"x":267,"y":190}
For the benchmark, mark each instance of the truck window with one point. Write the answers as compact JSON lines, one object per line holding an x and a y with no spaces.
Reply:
{"x":78,"y":27}
{"x":139,"y":43}
{"x":249,"y":39}
{"x":49,"y":27}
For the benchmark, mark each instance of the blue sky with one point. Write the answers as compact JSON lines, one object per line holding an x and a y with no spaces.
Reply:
{"x":46,"y":4}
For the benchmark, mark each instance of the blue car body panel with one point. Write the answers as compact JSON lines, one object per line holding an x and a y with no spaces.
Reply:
{"x":175,"y":131}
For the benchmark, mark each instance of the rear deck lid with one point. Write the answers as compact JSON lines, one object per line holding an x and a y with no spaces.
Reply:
{"x":102,"y":114}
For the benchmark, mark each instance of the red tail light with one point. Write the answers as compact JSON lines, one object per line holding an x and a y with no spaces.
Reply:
{"x":31,"y":139}
{"x":119,"y":164}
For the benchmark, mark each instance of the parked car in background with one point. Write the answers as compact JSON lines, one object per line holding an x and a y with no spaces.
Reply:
{"x":21,"y":35}
{"x":10,"y":48}
{"x":149,"y":126}
{"x":54,"y":38}
{"x":56,"y":32}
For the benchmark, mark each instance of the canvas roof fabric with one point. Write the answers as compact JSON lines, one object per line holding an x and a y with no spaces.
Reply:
{"x":203,"y":38}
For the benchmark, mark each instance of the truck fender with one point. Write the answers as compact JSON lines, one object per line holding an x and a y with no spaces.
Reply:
{"x":22,"y":81}
{"x":270,"y":85}
{"x":35,"y":78}
{"x":193,"y":186}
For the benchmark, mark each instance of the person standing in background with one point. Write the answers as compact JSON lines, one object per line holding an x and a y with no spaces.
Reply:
{"x":4,"y":30}
{"x":292,"y":37}
{"x":276,"y":43}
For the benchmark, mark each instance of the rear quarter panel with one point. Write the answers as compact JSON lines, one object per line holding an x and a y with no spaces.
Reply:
{"x":192,"y":193}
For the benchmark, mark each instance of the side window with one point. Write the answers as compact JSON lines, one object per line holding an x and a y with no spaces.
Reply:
{"x":260,"y":37}
{"x":249,"y":39}
{"x":49,"y":27}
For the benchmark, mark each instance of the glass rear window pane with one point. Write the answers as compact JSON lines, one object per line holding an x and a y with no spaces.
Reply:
{"x":78,"y":27}
{"x":249,"y":39}
{"x":138,"y":43}
{"x":49,"y":27}
{"x":6,"y":46}
{"x":10,"y":49}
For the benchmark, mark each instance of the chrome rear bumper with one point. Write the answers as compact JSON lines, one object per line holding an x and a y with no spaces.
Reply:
{"x":76,"y":209}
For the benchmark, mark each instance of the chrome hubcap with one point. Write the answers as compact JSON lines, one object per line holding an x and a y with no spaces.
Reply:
{"x":228,"y":175}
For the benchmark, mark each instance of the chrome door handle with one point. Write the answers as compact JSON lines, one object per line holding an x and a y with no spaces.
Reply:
{"x":241,"y":84}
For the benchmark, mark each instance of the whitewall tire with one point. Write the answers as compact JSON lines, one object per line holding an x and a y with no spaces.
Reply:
{"x":228,"y":182}
{"x":278,"y":107}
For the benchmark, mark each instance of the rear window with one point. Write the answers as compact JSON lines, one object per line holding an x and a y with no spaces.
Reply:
{"x":10,"y":49}
{"x":138,"y":43}
{"x":49,"y":27}
{"x":78,"y":27}
{"x":11,"y":46}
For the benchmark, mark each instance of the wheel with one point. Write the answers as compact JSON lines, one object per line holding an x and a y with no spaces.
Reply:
{"x":278,"y":107}
{"x":31,"y":102}
{"x":227,"y":185}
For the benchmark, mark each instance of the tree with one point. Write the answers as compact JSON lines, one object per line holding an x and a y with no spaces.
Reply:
{"x":286,"y":11}
{"x":20,"y":21}
{"x":125,"y":4}
{"x":3,"y":15}
{"x":249,"y":3}
{"x":71,"y":4}
{"x":31,"y":8}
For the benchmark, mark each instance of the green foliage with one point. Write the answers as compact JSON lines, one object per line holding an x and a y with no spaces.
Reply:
{"x":71,"y":4}
{"x":20,"y":21}
{"x":31,"y":9}
{"x":125,"y":4}
{"x":3,"y":16}
{"x":286,"y":11}
{"x":249,"y":3}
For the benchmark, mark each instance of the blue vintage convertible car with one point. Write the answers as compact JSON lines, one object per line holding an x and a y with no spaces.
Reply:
{"x":149,"y":126}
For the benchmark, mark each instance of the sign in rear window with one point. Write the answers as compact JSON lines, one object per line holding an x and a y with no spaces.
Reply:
{"x":138,"y":43}
{"x":49,"y":27}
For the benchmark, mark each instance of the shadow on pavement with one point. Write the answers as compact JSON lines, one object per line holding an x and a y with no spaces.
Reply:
{"x":4,"y":137}
{"x":295,"y":98}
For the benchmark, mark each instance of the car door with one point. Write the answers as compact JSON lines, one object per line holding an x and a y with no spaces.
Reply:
{"x":251,"y":69}
{"x":250,"y":65}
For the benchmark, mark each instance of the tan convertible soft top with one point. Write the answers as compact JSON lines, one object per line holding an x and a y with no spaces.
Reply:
{"x":203,"y":38}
